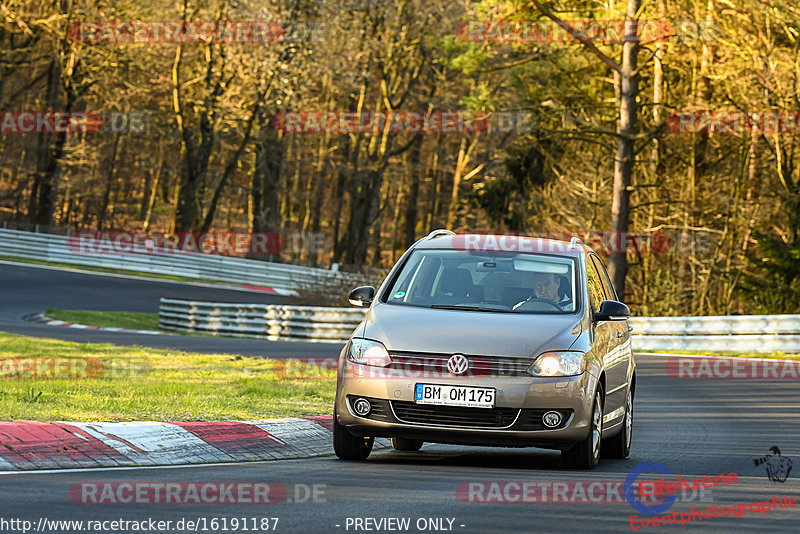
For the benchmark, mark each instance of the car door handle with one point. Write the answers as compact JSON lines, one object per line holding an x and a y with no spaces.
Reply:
{"x":619,"y":334}
{"x":630,"y":329}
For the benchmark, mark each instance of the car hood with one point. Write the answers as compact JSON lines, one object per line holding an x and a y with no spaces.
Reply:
{"x":415,"y":329}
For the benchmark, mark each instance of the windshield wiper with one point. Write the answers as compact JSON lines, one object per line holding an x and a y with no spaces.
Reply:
{"x":467,"y":308}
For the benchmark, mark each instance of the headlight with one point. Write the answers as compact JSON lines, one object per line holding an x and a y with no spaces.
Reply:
{"x":367,"y":352}
{"x":560,"y":363}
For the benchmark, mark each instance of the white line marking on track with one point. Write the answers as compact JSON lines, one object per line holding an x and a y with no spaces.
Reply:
{"x":713,"y":356}
{"x":147,"y":467}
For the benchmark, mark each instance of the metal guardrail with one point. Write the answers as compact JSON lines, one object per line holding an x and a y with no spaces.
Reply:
{"x":717,"y":325}
{"x":756,"y":333}
{"x":272,"y":322}
{"x":737,"y":343}
{"x":53,"y":248}
{"x":743,"y":333}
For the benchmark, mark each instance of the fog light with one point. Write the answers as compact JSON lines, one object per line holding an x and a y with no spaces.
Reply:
{"x":362,"y":407}
{"x":551,"y":419}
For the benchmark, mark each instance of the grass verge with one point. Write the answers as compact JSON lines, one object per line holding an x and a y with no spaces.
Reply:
{"x":112,"y":319}
{"x":779,"y":355}
{"x":139,"y":384}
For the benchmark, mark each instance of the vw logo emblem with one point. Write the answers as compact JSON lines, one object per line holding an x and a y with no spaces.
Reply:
{"x":457,"y":364}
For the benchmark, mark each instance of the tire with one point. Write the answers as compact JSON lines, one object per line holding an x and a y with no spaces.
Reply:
{"x":619,"y":446}
{"x":586,"y":454}
{"x":348,"y":447}
{"x":403,"y":444}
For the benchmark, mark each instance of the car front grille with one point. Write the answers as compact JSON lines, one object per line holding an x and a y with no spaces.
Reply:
{"x":455,"y":416}
{"x":432,"y":364}
{"x":460,"y":417}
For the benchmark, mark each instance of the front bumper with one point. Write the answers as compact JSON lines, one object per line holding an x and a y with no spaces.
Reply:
{"x":516,"y":421}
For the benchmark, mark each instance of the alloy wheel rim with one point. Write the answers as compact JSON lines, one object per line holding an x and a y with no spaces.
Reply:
{"x":628,"y":419}
{"x":597,"y":421}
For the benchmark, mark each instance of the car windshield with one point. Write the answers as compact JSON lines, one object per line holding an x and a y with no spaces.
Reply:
{"x":486,"y":281}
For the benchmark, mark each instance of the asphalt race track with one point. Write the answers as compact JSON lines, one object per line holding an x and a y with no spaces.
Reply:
{"x":693,"y":427}
{"x":28,"y":289}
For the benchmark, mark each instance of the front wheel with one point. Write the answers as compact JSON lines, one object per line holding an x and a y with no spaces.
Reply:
{"x":586,"y":454}
{"x":619,"y":446}
{"x":349,"y":447}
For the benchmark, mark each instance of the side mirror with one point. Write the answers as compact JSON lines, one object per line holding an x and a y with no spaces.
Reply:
{"x":611,"y":310}
{"x":362,"y":296}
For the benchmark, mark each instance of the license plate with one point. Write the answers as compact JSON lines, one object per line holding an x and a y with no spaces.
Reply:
{"x":455,"y":395}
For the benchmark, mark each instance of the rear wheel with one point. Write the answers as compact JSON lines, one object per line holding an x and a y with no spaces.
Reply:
{"x":349,"y":447}
{"x":619,"y":446}
{"x":403,"y":444}
{"x":586,"y":454}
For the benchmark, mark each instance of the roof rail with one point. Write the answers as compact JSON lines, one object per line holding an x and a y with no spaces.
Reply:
{"x":440,"y":232}
{"x":575,"y":242}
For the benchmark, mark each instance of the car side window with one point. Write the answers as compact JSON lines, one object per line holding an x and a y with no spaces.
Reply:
{"x":611,"y":293}
{"x":596,"y":295}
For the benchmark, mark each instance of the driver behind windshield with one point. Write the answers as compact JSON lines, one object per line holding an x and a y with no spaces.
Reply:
{"x":546,"y":287}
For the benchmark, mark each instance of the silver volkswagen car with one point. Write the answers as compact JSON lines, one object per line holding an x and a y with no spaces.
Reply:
{"x":492,"y":341}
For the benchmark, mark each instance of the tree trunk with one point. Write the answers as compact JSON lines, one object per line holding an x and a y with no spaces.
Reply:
{"x":624,"y":160}
{"x":436,"y":192}
{"x":655,"y":162}
{"x":266,"y":181}
{"x":50,"y":150}
{"x":151,"y":200}
{"x":230,"y":168}
{"x":112,"y":170}
{"x":147,"y":192}
{"x":341,"y":186}
{"x":195,"y":154}
{"x":319,"y":199}
{"x":464,"y":154}
{"x":410,"y":228}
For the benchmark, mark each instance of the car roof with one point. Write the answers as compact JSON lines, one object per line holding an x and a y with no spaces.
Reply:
{"x":443,"y":239}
